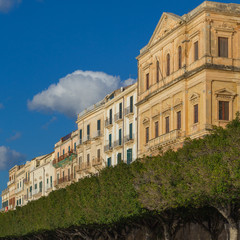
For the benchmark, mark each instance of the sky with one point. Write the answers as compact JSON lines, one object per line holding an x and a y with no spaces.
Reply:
{"x":58,"y":57}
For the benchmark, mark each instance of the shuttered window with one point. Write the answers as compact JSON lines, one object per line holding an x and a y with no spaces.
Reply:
{"x":223,"y":110}
{"x":179,"y":57}
{"x":179,"y":123}
{"x":196,"y":113}
{"x":109,"y":162}
{"x":196,"y":51}
{"x":147,"y":81}
{"x":110,"y":116}
{"x":131,"y":104}
{"x":129,"y":156}
{"x":157,"y":69}
{"x":88,"y":131}
{"x":167,"y":124}
{"x":99,"y":125}
{"x":119,"y":157}
{"x":98,"y":154}
{"x":168,"y":64}
{"x":223,"y":47}
{"x":156,"y":129}
{"x":120,"y":110}
{"x":147,"y":134}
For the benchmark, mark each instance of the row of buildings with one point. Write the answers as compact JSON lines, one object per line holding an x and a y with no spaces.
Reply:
{"x":188,"y":81}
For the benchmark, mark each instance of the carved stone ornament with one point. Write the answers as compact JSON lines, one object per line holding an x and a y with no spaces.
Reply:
{"x":225,"y":94}
{"x":178,"y":104}
{"x":194,"y":99}
{"x":155,"y":113}
{"x":145,"y":120}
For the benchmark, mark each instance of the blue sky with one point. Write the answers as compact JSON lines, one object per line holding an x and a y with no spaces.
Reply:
{"x":59,"y":56}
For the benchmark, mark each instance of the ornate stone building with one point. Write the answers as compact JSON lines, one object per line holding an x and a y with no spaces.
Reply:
{"x":189,"y":76}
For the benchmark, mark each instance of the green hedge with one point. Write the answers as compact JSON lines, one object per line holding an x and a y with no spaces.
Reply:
{"x":104,"y":199}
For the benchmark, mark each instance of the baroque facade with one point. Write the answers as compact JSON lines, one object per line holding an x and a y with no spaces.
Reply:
{"x":189,"y":76}
{"x":188,"y":81}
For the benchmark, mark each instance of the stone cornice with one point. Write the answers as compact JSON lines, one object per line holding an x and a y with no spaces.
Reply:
{"x":187,"y":75}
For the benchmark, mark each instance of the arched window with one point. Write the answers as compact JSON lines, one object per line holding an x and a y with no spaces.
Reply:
{"x":157,"y":69}
{"x":179,"y":57}
{"x":168,"y":64}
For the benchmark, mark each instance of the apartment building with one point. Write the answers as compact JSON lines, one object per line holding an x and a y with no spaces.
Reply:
{"x":65,"y":160}
{"x":189,"y":76}
{"x":90,"y":147}
{"x":120,"y":142}
{"x":40,"y":177}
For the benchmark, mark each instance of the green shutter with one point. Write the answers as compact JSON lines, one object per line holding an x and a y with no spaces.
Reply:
{"x":130,"y":131}
{"x":131,"y":104}
{"x":119,"y":157}
{"x":110,"y":140}
{"x":129,"y":156}
{"x":109,"y":162}
{"x":120,"y":136}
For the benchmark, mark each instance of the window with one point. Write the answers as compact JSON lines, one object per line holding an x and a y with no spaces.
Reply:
{"x":57,"y":178}
{"x":88,"y":131}
{"x":147,"y":134}
{"x":167,"y":124}
{"x":196,"y":51}
{"x":179,"y":57}
{"x":179,"y":120}
{"x":80,"y":136}
{"x":223,"y":110}
{"x":156,"y":129}
{"x":119,"y":157}
{"x":147,"y":81}
{"x":130,"y":131}
{"x":75,"y":146}
{"x":120,"y":136}
{"x":157,"y":69}
{"x":63,"y":175}
{"x":80,"y":160}
{"x":88,"y":159}
{"x":223,"y":47}
{"x":168,"y":64}
{"x":109,"y":162}
{"x":99,"y":125}
{"x":110,"y":116}
{"x":110,"y":140}
{"x":131,"y":104}
{"x":40,"y":186}
{"x":63,"y":151}
{"x":69,"y":174}
{"x":195,"y":120}
{"x":69,"y":148}
{"x":120,"y":110}
{"x":129,"y":155}
{"x":51,"y":181}
{"x":35,"y":185}
{"x":98,"y":154}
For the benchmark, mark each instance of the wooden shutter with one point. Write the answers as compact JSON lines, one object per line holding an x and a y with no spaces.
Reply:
{"x":223,"y":47}
{"x":156,"y":129}
{"x":196,"y":113}
{"x":168,"y":64}
{"x":167,"y":124}
{"x":120,"y":136}
{"x":196,"y":51}
{"x":157,"y":69}
{"x":179,"y":57}
{"x":131,"y":104}
{"x":120,"y":110}
{"x":147,"y":81}
{"x":110,"y":116}
{"x":147,"y":134}
{"x":179,"y":120}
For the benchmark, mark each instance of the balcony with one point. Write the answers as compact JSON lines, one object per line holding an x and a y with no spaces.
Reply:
{"x":117,"y":143}
{"x":97,"y":134}
{"x":36,"y":191}
{"x":86,"y":139}
{"x":108,"y":122}
{"x":64,"y":159}
{"x":97,"y":161}
{"x":108,"y":148}
{"x":10,"y":182}
{"x":118,"y":117}
{"x":48,"y":187}
{"x":6,"y":191}
{"x":129,"y":138}
{"x":19,"y":190}
{"x":165,"y":139}
{"x":84,"y":166}
{"x":26,"y":181}
{"x":64,"y":179}
{"x":129,"y":111}
{"x":79,"y":142}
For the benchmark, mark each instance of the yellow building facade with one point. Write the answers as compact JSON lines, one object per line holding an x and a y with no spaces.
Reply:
{"x":189,"y":76}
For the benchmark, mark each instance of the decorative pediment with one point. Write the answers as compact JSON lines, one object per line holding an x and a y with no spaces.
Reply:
{"x":167,"y":22}
{"x":194,"y":98}
{"x":178,"y":104}
{"x":145,"y":120}
{"x":225,"y":93}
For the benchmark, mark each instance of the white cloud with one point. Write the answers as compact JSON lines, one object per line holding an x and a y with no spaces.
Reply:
{"x":9,"y":158}
{"x":16,"y":136}
{"x":75,"y":92}
{"x":129,"y":81}
{"x":7,"y":5}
